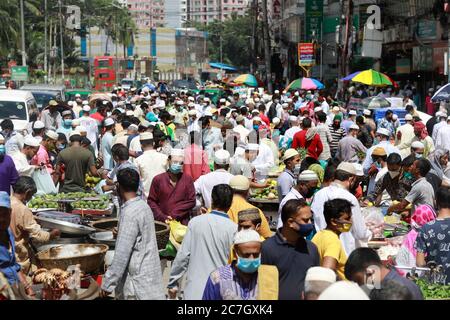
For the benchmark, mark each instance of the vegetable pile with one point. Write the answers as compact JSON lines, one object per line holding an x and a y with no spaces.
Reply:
{"x":268,"y":193}
{"x":433,"y":291}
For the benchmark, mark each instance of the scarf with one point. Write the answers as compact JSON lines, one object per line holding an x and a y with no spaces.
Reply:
{"x":420,"y":127}
{"x":435,"y":159}
{"x":421,"y":216}
{"x":317,"y":168}
{"x":311,"y":133}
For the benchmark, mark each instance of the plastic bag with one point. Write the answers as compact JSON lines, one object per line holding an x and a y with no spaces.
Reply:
{"x":44,"y":183}
{"x":374,"y":220}
{"x":177,"y":230}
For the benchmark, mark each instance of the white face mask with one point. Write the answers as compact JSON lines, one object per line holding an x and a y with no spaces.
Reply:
{"x":394,"y":174}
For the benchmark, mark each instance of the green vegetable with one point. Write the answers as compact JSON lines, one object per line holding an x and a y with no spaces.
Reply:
{"x":433,"y":291}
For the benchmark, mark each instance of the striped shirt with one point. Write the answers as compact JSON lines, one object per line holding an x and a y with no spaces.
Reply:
{"x":337,"y":135}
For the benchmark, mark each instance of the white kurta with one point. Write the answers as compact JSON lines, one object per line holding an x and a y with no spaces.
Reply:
{"x":23,"y":166}
{"x":91,"y":126}
{"x":207,"y":182}
{"x":150,"y":164}
{"x":263,"y":162}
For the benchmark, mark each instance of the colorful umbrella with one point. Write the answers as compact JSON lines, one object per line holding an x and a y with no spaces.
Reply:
{"x":370,"y":77}
{"x":305,"y":84}
{"x":247,"y":79}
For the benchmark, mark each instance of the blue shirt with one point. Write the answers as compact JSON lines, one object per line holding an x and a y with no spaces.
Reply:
{"x":8,"y":265}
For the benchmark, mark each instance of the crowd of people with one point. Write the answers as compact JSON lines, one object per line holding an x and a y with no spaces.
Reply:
{"x":187,"y":157}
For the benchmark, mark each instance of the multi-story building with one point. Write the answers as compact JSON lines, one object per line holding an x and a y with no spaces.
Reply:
{"x":147,"y":13}
{"x":206,"y":11}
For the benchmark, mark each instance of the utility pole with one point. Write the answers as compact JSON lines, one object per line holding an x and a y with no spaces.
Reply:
{"x":267,"y":48}
{"x":254,"y":64}
{"x":22,"y":29}
{"x":61,"y":38}
{"x":45,"y":43}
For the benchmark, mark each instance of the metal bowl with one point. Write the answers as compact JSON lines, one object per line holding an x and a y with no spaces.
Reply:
{"x":103,"y":237}
{"x":64,"y":227}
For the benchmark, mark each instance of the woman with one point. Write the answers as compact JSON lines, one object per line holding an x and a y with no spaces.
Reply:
{"x":439,"y":162}
{"x":407,"y":253}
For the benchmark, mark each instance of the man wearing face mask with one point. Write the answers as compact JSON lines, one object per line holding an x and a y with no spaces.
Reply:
{"x":66,"y":127}
{"x":22,"y":158}
{"x":364,"y":267}
{"x":421,"y":135}
{"x":394,"y":183}
{"x":42,"y":156}
{"x":288,"y":177}
{"x":240,"y":280}
{"x":307,"y":183}
{"x":172,"y":193}
{"x":51,"y":117}
{"x":290,"y":252}
{"x":345,"y":178}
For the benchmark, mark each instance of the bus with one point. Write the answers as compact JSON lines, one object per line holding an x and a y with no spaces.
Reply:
{"x":104,"y":73}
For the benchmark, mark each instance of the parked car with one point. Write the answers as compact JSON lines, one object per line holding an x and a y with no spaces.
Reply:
{"x":84,"y":93}
{"x":46,"y":88}
{"x":19,"y":106}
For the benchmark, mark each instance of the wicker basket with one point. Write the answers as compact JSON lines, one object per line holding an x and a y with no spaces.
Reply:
{"x":88,"y":262}
{"x":162,"y":234}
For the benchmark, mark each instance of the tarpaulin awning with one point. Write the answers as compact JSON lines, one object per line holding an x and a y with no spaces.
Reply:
{"x":218,"y":65}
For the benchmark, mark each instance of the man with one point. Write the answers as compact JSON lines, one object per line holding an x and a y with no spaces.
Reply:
{"x":8,"y":172}
{"x":66,"y":124}
{"x":365,"y":133}
{"x":91,"y":126}
{"x":370,"y":122}
{"x":196,"y":161}
{"x":345,"y":179}
{"x":42,"y":157}
{"x":417,"y":150}
{"x":181,"y":114}
{"x":193,"y":121}
{"x":77,"y":106}
{"x":151,"y":163}
{"x":107,"y":143}
{"x":37,"y":130}
{"x":365,"y":268}
{"x":383,"y":137}
{"x":205,"y":247}
{"x":317,"y":280}
{"x":351,"y":119}
{"x":23,"y":225}
{"x":172,"y":193}
{"x":422,"y":191}
{"x":13,"y":139}
{"x":394,"y":183}
{"x":290,"y":252}
{"x":287,"y":178}
{"x":442,"y":123}
{"x":443,"y":136}
{"x":211,"y":136}
{"x":240,"y":279}
{"x":241,"y":186}
{"x":421,"y":135}
{"x":51,"y":117}
{"x":337,"y":134}
{"x":288,"y":137}
{"x":101,"y":112}
{"x":308,"y":139}
{"x":325,"y":136}
{"x":404,"y":136}
{"x":307,"y":183}
{"x":263,"y":161}
{"x":387,"y":123}
{"x":77,"y":161}
{"x":135,"y":272}
{"x":241,"y":129}
{"x":349,"y":147}
{"x":220,"y":175}
{"x":23,"y":157}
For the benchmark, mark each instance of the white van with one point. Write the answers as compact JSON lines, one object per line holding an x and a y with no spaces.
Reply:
{"x":19,"y":106}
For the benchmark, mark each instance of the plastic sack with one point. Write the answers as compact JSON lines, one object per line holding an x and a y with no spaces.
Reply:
{"x":44,"y":183}
{"x":374,"y":220}
{"x":177,"y":230}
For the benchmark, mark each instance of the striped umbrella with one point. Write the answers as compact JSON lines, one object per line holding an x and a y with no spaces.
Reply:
{"x":305,"y":84}
{"x":371,"y":78}
{"x":247,"y":79}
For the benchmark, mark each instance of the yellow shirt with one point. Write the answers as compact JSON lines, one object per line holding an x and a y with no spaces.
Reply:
{"x":329,"y":245}
{"x":239,"y":204}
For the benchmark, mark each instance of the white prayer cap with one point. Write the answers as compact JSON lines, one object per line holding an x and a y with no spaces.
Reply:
{"x":383,"y":131}
{"x":285,"y":105}
{"x":66,"y":113}
{"x":347,"y":167}
{"x":289,"y":153}
{"x":81,"y":129}
{"x":239,"y":183}
{"x":394,"y":117}
{"x":86,"y":108}
{"x":75,"y":122}
{"x":133,"y":127}
{"x":105,"y":102}
{"x":318,"y":109}
{"x":359,"y":169}
{"x":417,"y":145}
{"x":240,"y":118}
{"x":191,"y":104}
{"x":74,"y":133}
{"x":177,"y":153}
{"x":256,"y":100}
{"x":246,"y":235}
{"x":352,"y":112}
{"x":277,"y":91}
{"x":308,"y":175}
{"x":120,"y":104}
{"x":145,"y":136}
{"x":38,"y":125}
{"x":191,"y":99}
{"x":85,"y":103}
{"x":408,"y":117}
{"x":208,"y":114}
{"x":320,"y":274}
{"x":296,"y":93}
{"x":78,"y":95}
{"x":354,"y":127}
{"x":293,"y":118}
{"x":336,"y":109}
{"x":129,"y":113}
{"x":70,"y":103}
{"x":192,"y":112}
{"x":257,"y":119}
{"x":223,"y":100}
{"x":206,"y":99}
{"x":52,"y":134}
{"x":438,"y":114}
{"x":109,"y":122}
{"x":222,"y":157}
{"x":31,"y":141}
{"x":366,"y":112}
{"x":252,"y":147}
{"x":288,"y":100}
{"x":343,"y":290}
{"x":276,"y":121}
{"x":180,"y":102}
{"x":255,"y":111}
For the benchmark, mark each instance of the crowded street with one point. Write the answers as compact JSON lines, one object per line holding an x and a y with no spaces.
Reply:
{"x":239,"y":188}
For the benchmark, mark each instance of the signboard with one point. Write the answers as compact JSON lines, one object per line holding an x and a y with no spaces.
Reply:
{"x":423,"y":58}
{"x":19,"y":73}
{"x":403,"y":66}
{"x":313,"y":19}
{"x":306,"y":54}
{"x":426,"y":29}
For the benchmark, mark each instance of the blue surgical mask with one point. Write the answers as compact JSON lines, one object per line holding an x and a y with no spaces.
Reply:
{"x":61,"y":147}
{"x":408,"y":175}
{"x":419,"y":156}
{"x":378,"y":165}
{"x":2,"y":149}
{"x":247,"y":265}
{"x":68,"y":122}
{"x":256,"y":127}
{"x":305,"y":229}
{"x":175,"y":168}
